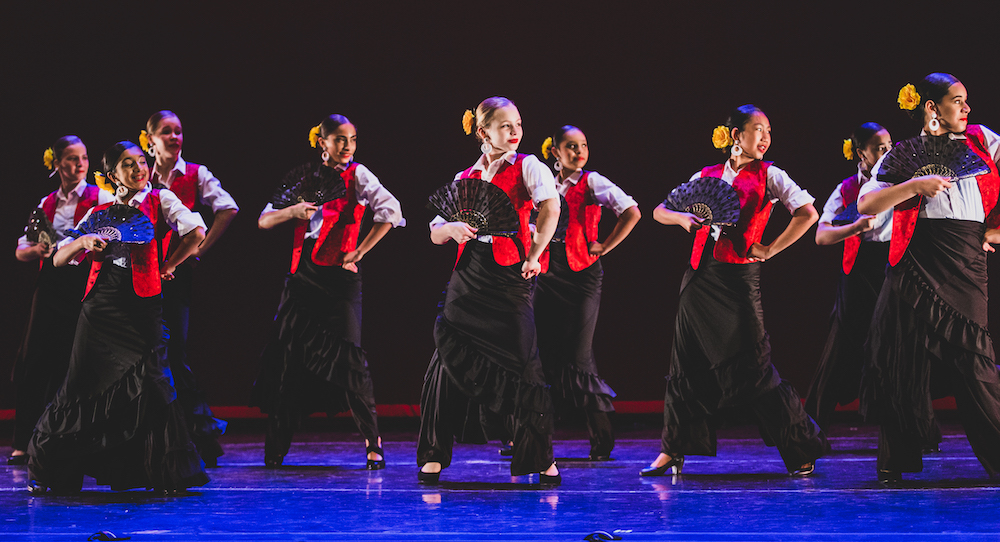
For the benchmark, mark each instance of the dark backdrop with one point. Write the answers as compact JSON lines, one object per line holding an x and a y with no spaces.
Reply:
{"x":647,"y":82}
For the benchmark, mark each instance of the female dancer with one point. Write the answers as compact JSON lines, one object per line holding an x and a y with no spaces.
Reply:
{"x":866,"y":251}
{"x":930,"y":321}
{"x":568,"y":296}
{"x":115,"y":417}
{"x":486,"y":363}
{"x":721,"y":351}
{"x":41,"y":362}
{"x":193,"y":184}
{"x":314,"y":362}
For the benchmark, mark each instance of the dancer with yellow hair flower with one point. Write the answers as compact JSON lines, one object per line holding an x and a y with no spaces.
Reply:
{"x":866,"y":250}
{"x":568,"y":297}
{"x":40,"y":365}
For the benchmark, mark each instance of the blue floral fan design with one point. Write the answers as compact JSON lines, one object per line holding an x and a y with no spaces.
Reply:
{"x":309,"y":183}
{"x":560,"y":234}
{"x":40,"y":230}
{"x":708,"y":198}
{"x":930,"y":155}
{"x":121,"y":223}
{"x":850,"y":215}
{"x":479,"y":204}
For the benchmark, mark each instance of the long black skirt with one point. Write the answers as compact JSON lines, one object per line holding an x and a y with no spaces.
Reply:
{"x":42,"y":360}
{"x":205,"y":428}
{"x":838,"y":375}
{"x":116,"y":417}
{"x":721,"y":361}
{"x":314,"y":361}
{"x":566,"y":305}
{"x":929,"y":337}
{"x":486,"y":366}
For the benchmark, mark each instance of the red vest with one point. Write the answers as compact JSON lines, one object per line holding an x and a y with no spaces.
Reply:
{"x":904,"y":216}
{"x":507,"y":251}
{"x":86,"y":201}
{"x":581,"y":230}
{"x":185,"y":187}
{"x":341,"y":224}
{"x":849,"y":189}
{"x":755,"y":209}
{"x":145,"y":257}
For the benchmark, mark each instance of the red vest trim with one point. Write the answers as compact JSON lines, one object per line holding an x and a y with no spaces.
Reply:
{"x":849,"y":189}
{"x":145,"y":257}
{"x":581,"y":230}
{"x":185,"y":187}
{"x":751,"y":187}
{"x":508,"y":251}
{"x":904,"y":216}
{"x":341,"y":225}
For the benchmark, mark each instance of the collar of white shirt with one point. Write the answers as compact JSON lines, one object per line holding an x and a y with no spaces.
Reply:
{"x":139,"y":197}
{"x":575,"y":177}
{"x":483,"y":164}
{"x":78,"y":190}
{"x":863,"y":176}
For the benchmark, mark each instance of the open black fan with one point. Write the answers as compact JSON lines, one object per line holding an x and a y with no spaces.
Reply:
{"x":479,"y":204}
{"x":563,"y":223}
{"x":930,"y":155}
{"x":708,"y":198}
{"x":119,"y":222}
{"x":316,"y":185}
{"x":40,"y":230}
{"x":850,"y":215}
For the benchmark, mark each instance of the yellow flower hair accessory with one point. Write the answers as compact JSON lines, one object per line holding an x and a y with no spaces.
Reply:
{"x":314,"y":136}
{"x":547,"y":147}
{"x":102,"y":182}
{"x":721,"y":138}
{"x":144,"y":141}
{"x":468,"y":120}
{"x":49,"y":158}
{"x":908,"y":99}
{"x":848,"y":149}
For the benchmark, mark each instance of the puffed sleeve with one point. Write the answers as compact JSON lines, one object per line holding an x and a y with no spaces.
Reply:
{"x":371,"y":192}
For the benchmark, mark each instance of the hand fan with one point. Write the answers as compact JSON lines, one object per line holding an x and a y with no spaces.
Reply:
{"x":930,"y":155}
{"x":708,"y":198}
{"x":479,"y":204}
{"x":40,"y":230}
{"x":119,"y":222}
{"x":309,"y":183}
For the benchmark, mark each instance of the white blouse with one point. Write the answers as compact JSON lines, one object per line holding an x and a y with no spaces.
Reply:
{"x":780,"y":187}
{"x":66,"y":208}
{"x":210,"y":191}
{"x":605,"y":193}
{"x":960,"y":202}
{"x":368,"y":191}
{"x":881,"y":232}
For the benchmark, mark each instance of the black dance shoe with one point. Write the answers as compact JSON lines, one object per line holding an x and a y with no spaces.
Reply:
{"x":676,"y":465}
{"x":273,"y":461}
{"x":546,"y":480}
{"x":506,"y":450}
{"x":928,"y":449}
{"x":889,"y":476}
{"x":600,"y":457}
{"x":18,"y":459}
{"x":375,"y":464}
{"x":36,"y":488}
{"x":428,"y":477}
{"x":804,"y":470}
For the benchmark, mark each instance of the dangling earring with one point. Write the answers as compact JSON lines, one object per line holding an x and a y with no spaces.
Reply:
{"x":486,"y":147}
{"x":557,"y":166}
{"x":736,"y":150}
{"x":325,"y":156}
{"x":120,"y":192}
{"x":934,"y":124}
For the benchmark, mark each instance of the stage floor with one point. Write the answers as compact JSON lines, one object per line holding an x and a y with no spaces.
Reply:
{"x":324,"y":493}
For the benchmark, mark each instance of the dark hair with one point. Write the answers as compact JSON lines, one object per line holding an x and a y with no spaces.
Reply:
{"x":560,"y":134}
{"x":154,"y":120}
{"x":738,"y":117}
{"x":863,"y":134}
{"x":111,"y":156}
{"x":331,"y":123}
{"x":60,"y":145}
{"x":934,"y":87}
{"x":486,"y":110}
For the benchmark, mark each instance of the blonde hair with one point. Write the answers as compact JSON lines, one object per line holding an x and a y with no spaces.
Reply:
{"x":487,"y":109}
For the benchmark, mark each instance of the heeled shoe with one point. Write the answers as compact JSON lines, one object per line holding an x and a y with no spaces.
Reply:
{"x":18,"y":459}
{"x":546,"y":480}
{"x":889,"y":476}
{"x":506,"y":450}
{"x":37,"y":489}
{"x":375,"y":464}
{"x":676,"y":465}
{"x":804,"y":470}
{"x":428,"y":477}
{"x":273,"y":461}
